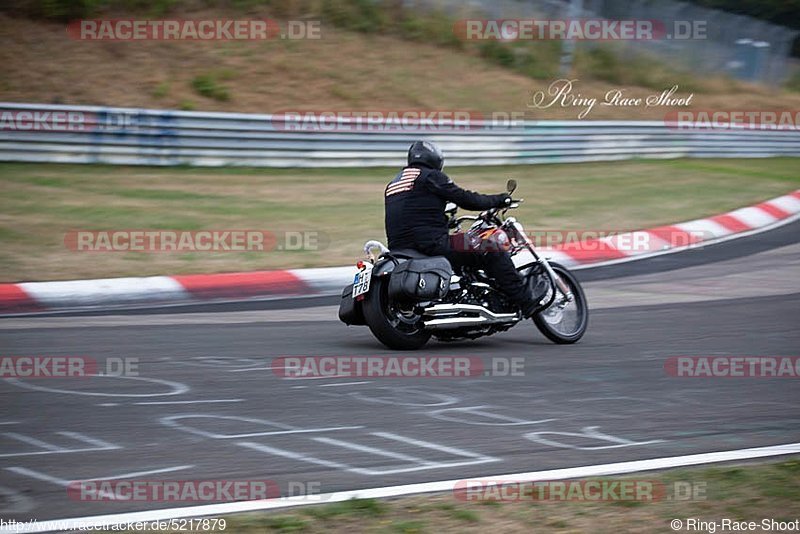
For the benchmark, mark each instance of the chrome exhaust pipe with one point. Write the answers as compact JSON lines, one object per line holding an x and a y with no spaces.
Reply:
{"x":445,"y":316}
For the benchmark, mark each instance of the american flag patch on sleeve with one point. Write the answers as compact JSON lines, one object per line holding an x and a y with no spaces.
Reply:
{"x":404,"y":181}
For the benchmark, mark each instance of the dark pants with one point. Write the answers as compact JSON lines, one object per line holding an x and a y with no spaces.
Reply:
{"x":499,"y":266}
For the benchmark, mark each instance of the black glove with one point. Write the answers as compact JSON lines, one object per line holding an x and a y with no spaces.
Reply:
{"x":504,"y":200}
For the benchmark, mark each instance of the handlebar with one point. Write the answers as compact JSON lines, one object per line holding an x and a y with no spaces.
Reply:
{"x":514,"y":204}
{"x":487,"y":214}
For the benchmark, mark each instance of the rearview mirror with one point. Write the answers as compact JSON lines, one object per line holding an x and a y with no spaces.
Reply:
{"x":450,"y":208}
{"x":511,"y":186}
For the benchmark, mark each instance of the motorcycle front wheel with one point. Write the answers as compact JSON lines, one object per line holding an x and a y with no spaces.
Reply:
{"x":563,"y":321}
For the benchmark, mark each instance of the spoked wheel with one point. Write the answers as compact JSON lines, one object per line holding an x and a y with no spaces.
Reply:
{"x":397,"y":326}
{"x":564,"y":321}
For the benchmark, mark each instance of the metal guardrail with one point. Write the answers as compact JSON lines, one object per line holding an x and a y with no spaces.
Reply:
{"x":128,"y":136}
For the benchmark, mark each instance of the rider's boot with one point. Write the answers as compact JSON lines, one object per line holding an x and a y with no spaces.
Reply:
{"x":523,"y":298}
{"x":536,"y":288}
{"x":529,"y":308}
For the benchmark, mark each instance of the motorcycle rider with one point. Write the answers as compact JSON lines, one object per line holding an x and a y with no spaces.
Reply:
{"x":414,"y":203}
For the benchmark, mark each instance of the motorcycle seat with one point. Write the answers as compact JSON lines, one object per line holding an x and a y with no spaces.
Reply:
{"x":408,"y":253}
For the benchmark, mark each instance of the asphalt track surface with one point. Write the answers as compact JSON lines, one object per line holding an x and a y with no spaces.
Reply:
{"x":210,"y":407}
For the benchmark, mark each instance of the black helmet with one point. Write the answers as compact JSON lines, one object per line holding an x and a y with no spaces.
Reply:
{"x":426,"y":153}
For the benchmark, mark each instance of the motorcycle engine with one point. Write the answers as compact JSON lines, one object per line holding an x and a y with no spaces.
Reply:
{"x":479,"y":291}
{"x":476,"y":290}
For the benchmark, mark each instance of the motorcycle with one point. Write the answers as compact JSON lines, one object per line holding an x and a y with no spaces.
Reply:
{"x":405,"y":297}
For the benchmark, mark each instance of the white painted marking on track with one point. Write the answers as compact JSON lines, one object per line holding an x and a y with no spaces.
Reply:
{"x":255,"y":369}
{"x":96,"y":445}
{"x":33,"y":441}
{"x":339,"y":384}
{"x":44,"y":477}
{"x":170,"y":421}
{"x":417,"y":464}
{"x":587,"y":432}
{"x":102,"y":445}
{"x":146,"y":473}
{"x":292,"y":455}
{"x":372,"y":450}
{"x":287,"y":432}
{"x":480,"y":411}
{"x":65,"y":483}
{"x":587,"y":471}
{"x":9,"y":423}
{"x":434,"y":446}
{"x":177,"y":387}
{"x":209,"y":401}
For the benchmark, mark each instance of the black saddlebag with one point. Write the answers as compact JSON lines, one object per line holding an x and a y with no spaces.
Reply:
{"x":421,"y":279}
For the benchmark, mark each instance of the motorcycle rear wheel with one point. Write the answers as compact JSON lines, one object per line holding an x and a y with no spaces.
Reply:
{"x":396,"y":326}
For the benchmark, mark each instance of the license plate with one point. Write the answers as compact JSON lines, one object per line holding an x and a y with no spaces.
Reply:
{"x":361,"y":282}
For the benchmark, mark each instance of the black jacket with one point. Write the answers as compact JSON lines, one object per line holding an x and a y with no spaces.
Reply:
{"x":415,"y":201}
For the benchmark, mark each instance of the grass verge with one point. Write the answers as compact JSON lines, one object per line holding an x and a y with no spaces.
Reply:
{"x":360,"y":62}
{"x":739,"y":493}
{"x":39,"y":204}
